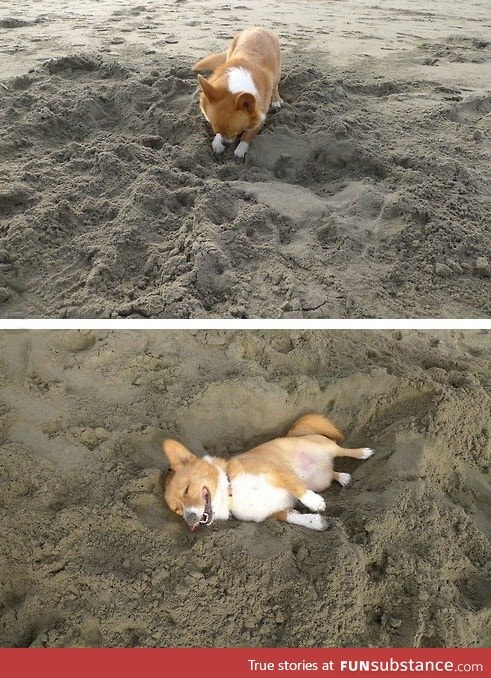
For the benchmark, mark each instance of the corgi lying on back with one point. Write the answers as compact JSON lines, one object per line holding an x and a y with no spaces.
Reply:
{"x":265,"y":482}
{"x":242,"y":87}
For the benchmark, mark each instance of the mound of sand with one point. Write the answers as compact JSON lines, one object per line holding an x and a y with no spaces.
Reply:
{"x":367,"y":195}
{"x":90,"y":555}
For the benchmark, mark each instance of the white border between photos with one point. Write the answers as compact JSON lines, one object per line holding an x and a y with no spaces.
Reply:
{"x":250,"y":324}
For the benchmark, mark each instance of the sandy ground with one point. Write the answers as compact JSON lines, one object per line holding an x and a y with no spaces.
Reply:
{"x":367,"y":195}
{"x":90,"y":555}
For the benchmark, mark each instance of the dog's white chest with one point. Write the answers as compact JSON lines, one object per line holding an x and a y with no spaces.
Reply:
{"x":255,"y":498}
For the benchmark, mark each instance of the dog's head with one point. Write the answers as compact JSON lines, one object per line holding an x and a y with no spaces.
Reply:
{"x":228,"y":114}
{"x":190,"y":485}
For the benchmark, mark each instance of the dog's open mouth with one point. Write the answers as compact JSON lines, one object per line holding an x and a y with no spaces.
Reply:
{"x":207,"y":517}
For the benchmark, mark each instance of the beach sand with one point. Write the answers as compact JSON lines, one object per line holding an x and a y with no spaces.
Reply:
{"x":91,"y":556}
{"x":366,"y":196}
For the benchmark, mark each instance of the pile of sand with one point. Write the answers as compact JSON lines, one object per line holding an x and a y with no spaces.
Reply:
{"x":91,"y":556}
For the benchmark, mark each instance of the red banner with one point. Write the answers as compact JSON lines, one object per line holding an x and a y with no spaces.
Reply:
{"x":241,"y":662}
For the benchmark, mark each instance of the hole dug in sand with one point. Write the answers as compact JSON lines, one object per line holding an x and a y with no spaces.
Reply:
{"x":349,"y":203}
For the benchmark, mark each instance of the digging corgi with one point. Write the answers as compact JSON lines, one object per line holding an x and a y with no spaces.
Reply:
{"x":241,"y":89}
{"x":264,"y":482}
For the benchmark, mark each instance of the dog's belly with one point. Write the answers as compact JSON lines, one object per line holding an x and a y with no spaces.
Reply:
{"x":255,"y":498}
{"x":314,"y":467}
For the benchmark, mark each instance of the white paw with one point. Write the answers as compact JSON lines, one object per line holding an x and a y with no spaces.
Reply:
{"x":217,"y":144}
{"x":276,"y":105}
{"x":241,"y":149}
{"x":313,"y":501}
{"x":366,"y":452}
{"x":313,"y":521}
{"x":344,"y":479}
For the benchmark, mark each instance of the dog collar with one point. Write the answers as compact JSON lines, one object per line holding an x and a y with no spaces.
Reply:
{"x":229,"y":498}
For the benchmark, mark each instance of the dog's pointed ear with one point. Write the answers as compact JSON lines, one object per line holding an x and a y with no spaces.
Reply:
{"x":207,"y":88}
{"x":177,"y":454}
{"x":245,"y":101}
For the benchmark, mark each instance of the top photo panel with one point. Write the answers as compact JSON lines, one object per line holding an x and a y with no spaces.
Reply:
{"x":209,"y":159}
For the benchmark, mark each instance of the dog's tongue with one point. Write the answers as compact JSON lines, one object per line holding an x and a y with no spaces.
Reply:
{"x":203,"y":521}
{"x":205,"y":517}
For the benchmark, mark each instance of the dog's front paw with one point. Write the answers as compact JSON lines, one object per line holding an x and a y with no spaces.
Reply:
{"x":313,"y":521}
{"x":344,"y":479}
{"x":217,"y":144}
{"x":241,"y":149}
{"x":276,"y":105}
{"x":313,"y":501}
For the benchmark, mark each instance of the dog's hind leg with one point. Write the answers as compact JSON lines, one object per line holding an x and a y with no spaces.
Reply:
{"x":276,"y":100}
{"x":342,"y":478}
{"x":356,"y":453}
{"x":313,"y":521}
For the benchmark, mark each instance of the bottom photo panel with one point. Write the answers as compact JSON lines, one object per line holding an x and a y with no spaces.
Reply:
{"x":245,"y":488}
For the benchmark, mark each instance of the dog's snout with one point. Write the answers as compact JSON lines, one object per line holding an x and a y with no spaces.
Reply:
{"x":191,"y":517}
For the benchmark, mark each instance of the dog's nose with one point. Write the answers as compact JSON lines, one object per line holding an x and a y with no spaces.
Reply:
{"x":192,"y":518}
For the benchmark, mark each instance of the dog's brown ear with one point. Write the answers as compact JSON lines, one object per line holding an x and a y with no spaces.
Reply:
{"x":208,"y":90}
{"x":177,"y":454}
{"x":245,"y":101}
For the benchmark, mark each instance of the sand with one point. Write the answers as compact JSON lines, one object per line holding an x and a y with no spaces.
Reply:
{"x":91,"y":556}
{"x":366,"y":196}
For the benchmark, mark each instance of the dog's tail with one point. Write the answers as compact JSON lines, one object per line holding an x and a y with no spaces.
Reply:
{"x":210,"y":62}
{"x":316,"y":423}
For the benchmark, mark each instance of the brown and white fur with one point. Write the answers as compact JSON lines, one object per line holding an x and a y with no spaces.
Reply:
{"x":265,"y":482}
{"x":241,"y":89}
